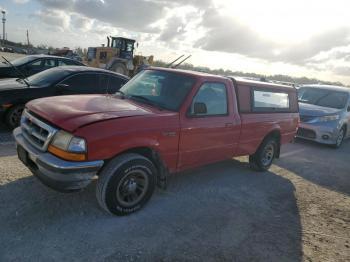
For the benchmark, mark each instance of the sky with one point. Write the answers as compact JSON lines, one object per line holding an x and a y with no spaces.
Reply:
{"x":291,"y":37}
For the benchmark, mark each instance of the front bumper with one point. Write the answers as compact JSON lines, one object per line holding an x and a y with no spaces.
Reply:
{"x":58,"y":174}
{"x":325,"y":134}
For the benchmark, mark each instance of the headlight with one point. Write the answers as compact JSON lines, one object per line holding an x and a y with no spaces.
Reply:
{"x":66,"y":146}
{"x":327,"y":118}
{"x":77,"y":145}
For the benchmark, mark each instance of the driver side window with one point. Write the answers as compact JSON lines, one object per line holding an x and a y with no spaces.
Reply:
{"x":214,"y":97}
{"x":36,"y":64}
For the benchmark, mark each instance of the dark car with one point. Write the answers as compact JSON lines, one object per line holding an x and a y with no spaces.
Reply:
{"x":64,"y":80}
{"x":33,"y":64}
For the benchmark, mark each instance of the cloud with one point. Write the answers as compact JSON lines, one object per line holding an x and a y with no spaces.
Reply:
{"x":226,"y":34}
{"x":174,"y":28}
{"x":195,"y":25}
{"x":325,"y":41}
{"x":132,"y":14}
{"x":342,"y":70}
{"x":20,"y":1}
{"x":57,"y":20}
{"x":82,"y":23}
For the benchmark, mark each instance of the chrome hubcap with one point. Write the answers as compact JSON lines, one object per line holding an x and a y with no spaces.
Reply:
{"x":268,"y":155}
{"x":132,"y":188}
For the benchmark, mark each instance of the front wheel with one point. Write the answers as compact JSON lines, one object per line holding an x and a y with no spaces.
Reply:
{"x":13,"y":116}
{"x":340,"y":138}
{"x":264,"y":156}
{"x":126,"y":184}
{"x":120,"y":68}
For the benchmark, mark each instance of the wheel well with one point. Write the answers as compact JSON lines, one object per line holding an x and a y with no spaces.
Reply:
{"x":346,"y":127}
{"x":143,"y":151}
{"x":155,"y":158}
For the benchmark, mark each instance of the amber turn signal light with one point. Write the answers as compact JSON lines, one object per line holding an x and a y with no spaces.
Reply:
{"x":66,"y":155}
{"x":6,"y":105}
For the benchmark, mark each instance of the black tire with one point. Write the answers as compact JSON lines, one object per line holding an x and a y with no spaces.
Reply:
{"x":120,"y":68}
{"x":264,"y":156}
{"x":13,"y":116}
{"x":340,"y":138}
{"x":116,"y":181}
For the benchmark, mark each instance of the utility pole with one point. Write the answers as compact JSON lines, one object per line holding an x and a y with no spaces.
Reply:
{"x":28,"y":43}
{"x":3,"y":27}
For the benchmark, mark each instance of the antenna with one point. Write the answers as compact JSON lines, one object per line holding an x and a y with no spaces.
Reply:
{"x":168,"y":65}
{"x":181,"y":61}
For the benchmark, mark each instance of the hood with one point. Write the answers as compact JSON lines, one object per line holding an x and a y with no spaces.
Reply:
{"x":11,"y":83}
{"x":72,"y":112}
{"x":314,"y":110}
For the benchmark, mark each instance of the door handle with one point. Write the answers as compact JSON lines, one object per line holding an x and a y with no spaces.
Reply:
{"x":228,"y":125}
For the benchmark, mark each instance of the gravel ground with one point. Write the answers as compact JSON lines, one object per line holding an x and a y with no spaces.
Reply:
{"x":9,"y":56}
{"x":299,"y":211}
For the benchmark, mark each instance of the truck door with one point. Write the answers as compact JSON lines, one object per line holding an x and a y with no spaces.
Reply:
{"x":210,"y":130}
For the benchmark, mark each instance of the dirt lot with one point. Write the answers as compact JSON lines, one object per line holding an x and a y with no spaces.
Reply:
{"x":299,"y":211}
{"x":9,"y":56}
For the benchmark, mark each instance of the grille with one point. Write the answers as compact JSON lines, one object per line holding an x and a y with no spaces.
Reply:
{"x":306,"y":118}
{"x":36,"y":132}
{"x":307,"y":133}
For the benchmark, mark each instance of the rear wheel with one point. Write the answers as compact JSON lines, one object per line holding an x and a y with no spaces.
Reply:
{"x":263,"y":157}
{"x":126,"y":184}
{"x":13,"y":116}
{"x":120,"y":68}
{"x":340,"y":138}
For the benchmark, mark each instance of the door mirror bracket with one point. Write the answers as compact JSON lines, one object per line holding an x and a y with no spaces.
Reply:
{"x":199,"y":108}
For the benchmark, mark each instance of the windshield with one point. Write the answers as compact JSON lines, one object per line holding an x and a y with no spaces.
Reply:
{"x":163,"y":89}
{"x":47,"y":77}
{"x":322,"y":97}
{"x":22,"y":60}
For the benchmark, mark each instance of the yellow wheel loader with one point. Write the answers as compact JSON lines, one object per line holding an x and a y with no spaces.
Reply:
{"x":118,"y":56}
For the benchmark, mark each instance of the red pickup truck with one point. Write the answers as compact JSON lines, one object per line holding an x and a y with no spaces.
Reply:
{"x":162,"y":121}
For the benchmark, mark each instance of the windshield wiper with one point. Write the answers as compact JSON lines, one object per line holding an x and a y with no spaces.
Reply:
{"x":18,"y":71}
{"x":22,"y":81}
{"x":148,"y":101}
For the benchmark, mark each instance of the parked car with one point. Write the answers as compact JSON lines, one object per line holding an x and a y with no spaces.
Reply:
{"x":64,"y":80}
{"x":324,"y":114}
{"x":162,"y":121}
{"x":33,"y":64}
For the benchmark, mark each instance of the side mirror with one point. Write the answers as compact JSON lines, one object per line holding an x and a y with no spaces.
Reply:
{"x":199,"y":108}
{"x":348,"y":108}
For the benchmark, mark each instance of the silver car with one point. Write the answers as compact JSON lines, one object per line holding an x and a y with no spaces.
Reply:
{"x":324,"y":113}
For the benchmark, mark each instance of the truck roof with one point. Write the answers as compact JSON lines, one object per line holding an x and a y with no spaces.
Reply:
{"x":188,"y":72}
{"x":238,"y":80}
{"x":261,"y":84}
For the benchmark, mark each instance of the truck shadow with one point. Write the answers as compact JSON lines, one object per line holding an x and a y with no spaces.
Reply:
{"x":8,"y":149}
{"x":222,"y":212}
{"x":320,"y":164}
